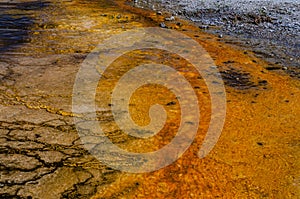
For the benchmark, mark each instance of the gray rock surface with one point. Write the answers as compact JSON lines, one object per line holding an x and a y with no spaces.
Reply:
{"x":270,"y":28}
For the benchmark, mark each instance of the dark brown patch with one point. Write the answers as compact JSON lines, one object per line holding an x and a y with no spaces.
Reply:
{"x":237,"y":79}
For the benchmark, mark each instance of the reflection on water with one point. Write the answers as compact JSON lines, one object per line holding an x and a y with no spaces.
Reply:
{"x":15,"y":22}
{"x":13,"y":31}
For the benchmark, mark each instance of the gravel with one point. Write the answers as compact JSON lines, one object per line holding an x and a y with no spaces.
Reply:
{"x":269,"y":28}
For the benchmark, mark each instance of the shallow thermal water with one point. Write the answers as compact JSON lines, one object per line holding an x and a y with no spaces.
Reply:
{"x":43,"y":44}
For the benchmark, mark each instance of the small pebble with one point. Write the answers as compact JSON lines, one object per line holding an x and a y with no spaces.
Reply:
{"x":220,"y":36}
{"x":204,"y":27}
{"x":285,"y":68}
{"x":263,"y":82}
{"x":171,"y":103}
{"x":170,"y":18}
{"x":162,"y":25}
{"x":273,"y":68}
{"x":260,"y":143}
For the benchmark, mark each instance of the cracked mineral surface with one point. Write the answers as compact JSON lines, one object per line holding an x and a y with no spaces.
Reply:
{"x":40,"y":152}
{"x":43,"y":43}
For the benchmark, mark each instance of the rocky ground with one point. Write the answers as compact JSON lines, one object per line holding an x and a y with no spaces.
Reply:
{"x":268,"y":28}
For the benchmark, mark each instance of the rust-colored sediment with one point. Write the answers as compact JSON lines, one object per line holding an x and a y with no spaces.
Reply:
{"x":257,"y":155}
{"x":41,"y":156}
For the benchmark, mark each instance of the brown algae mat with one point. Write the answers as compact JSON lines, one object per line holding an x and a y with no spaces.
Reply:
{"x":257,"y":155}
